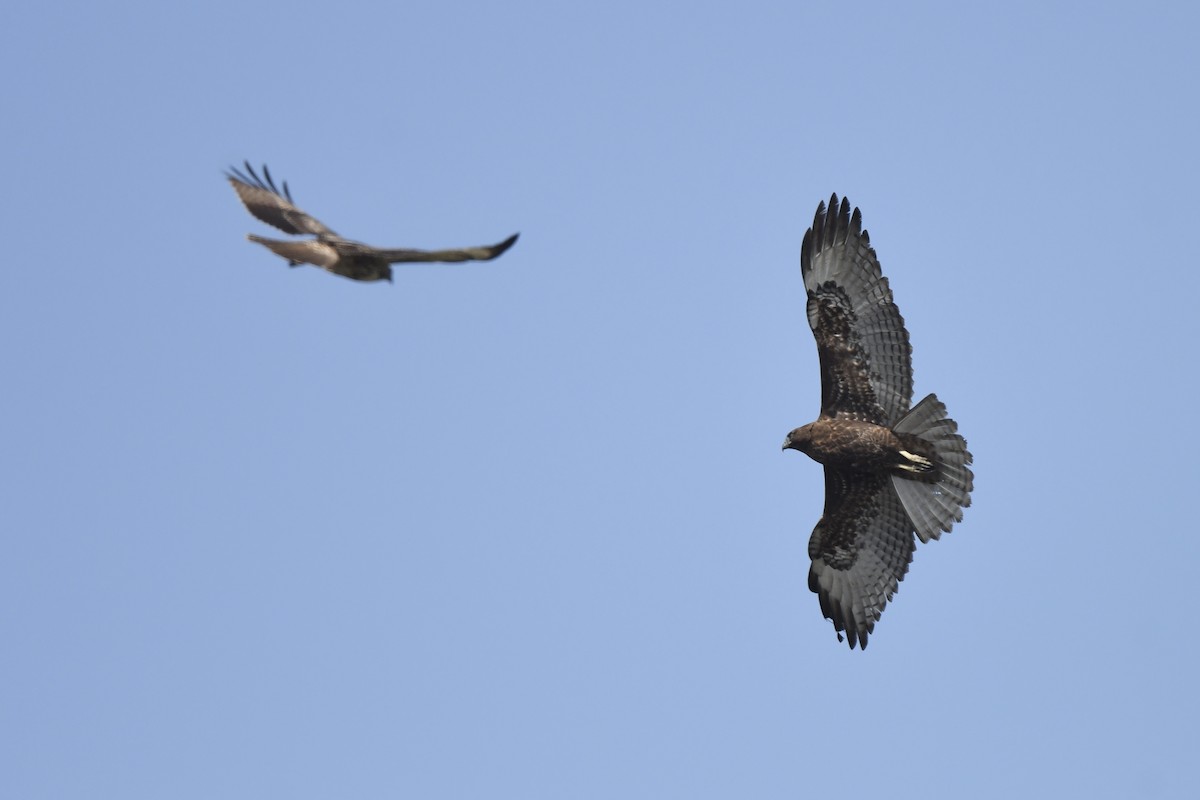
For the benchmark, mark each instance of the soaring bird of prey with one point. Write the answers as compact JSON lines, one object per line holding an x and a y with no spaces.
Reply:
{"x":891,"y":471}
{"x":330,"y":251}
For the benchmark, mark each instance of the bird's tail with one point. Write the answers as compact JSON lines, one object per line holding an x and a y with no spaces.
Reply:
{"x":290,"y":250}
{"x":934,"y":506}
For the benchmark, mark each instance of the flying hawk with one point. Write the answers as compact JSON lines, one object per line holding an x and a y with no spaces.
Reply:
{"x":330,"y":251}
{"x":890,"y":470}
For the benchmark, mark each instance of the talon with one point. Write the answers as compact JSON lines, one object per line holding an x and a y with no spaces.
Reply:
{"x":916,"y":463}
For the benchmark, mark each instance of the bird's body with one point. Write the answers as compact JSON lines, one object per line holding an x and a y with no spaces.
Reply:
{"x":891,"y":471}
{"x":328,"y":250}
{"x":862,"y":447}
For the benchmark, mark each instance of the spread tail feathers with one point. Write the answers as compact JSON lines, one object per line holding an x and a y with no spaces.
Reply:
{"x":935,"y":506}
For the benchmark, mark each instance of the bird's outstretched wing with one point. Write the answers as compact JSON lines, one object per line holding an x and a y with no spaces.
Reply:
{"x":866,"y":358}
{"x":482,"y":253}
{"x":860,"y":551}
{"x":267,"y":203}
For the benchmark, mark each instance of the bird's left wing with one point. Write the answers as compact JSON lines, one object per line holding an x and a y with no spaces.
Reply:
{"x":483,"y":253}
{"x":267,"y":203}
{"x":866,"y":359}
{"x":860,"y":551}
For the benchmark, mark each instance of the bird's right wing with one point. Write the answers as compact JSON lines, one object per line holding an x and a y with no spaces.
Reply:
{"x":860,"y":551}
{"x":483,"y":253}
{"x":272,"y":206}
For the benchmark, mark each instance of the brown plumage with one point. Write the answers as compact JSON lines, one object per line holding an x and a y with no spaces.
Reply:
{"x":330,"y":251}
{"x":891,"y":471}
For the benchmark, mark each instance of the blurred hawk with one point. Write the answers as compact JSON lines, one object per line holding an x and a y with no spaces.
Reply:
{"x":329,"y":251}
{"x":891,"y":471}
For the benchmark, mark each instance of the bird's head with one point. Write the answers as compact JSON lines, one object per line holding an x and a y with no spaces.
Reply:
{"x":799,"y":439}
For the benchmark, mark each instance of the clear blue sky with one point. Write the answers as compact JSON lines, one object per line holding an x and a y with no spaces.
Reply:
{"x":523,"y":529}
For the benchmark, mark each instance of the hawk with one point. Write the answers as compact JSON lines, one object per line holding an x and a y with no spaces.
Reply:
{"x":329,"y":251}
{"x":891,"y":471}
